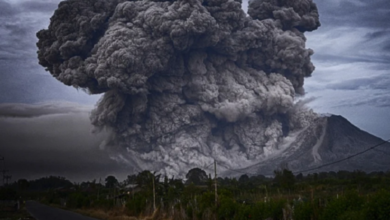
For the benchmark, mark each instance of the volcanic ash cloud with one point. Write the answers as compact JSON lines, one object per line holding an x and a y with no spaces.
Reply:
{"x":189,"y":80}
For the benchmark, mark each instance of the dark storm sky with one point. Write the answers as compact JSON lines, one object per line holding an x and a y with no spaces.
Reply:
{"x":43,"y":121}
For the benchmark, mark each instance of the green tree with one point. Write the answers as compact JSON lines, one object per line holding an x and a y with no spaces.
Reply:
{"x":111,"y":181}
{"x":144,"y":179}
{"x":51,"y":182}
{"x":23,"y":184}
{"x":196,"y":176}
{"x":243,"y":178}
{"x":284,"y":178}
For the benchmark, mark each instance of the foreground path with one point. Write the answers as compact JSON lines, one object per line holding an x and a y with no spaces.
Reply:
{"x":43,"y":212}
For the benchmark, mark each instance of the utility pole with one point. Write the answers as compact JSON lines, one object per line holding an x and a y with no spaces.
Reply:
{"x":154,"y":195}
{"x":4,"y":171}
{"x":3,"y":168}
{"x":7,"y":177}
{"x":215,"y":179}
{"x":98,"y":195}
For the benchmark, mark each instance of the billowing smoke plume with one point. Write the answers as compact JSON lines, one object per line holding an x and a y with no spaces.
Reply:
{"x":186,"y":81}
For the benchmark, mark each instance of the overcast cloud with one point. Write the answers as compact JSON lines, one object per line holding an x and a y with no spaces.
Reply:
{"x":352,"y":52}
{"x":23,"y":80}
{"x":54,"y":139}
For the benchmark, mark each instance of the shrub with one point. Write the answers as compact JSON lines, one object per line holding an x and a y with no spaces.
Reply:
{"x":274,"y":209}
{"x":378,"y":207}
{"x":77,"y":200}
{"x":8,"y":194}
{"x":227,"y":208}
{"x":243,"y":212}
{"x":337,"y":208}
{"x":303,"y":211}
{"x":137,"y":204}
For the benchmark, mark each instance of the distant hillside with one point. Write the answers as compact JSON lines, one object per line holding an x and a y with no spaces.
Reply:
{"x":326,"y":140}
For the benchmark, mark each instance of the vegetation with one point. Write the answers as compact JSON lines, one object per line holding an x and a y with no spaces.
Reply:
{"x":9,"y":207}
{"x":320,"y":196}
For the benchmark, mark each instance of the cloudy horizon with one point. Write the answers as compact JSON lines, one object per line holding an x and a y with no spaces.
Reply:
{"x":352,"y":63}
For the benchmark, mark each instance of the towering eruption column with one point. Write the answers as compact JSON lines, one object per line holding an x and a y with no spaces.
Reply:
{"x":186,"y":81}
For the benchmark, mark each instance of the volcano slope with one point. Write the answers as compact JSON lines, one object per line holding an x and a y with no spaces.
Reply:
{"x":327,"y":140}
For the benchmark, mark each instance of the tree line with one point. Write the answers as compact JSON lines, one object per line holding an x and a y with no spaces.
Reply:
{"x":325,"y":195}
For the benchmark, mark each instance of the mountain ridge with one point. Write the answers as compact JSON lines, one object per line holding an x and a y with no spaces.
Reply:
{"x":326,"y":140}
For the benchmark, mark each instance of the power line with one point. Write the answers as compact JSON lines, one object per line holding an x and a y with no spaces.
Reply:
{"x":344,"y":159}
{"x":237,"y":171}
{"x":206,"y":167}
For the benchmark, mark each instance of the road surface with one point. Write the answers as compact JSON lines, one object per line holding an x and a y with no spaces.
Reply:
{"x":43,"y":212}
